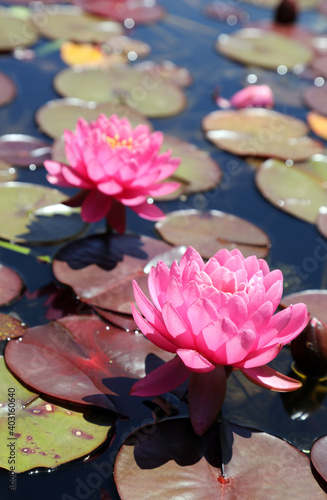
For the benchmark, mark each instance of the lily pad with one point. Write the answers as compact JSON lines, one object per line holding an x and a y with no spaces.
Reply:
{"x":7,"y":89}
{"x":138,"y":11}
{"x":42,"y":434}
{"x":141,"y":90}
{"x":124,"y":321}
{"x":11,"y":285}
{"x":81,"y":359}
{"x":168,"y":71}
{"x":34,"y":214}
{"x":125,"y":45}
{"x":100,"y":268}
{"x":223,"y":12}
{"x":72,"y":23}
{"x":319,"y":456}
{"x":228,"y":462}
{"x":56,"y":116}
{"x":10,"y":327}
{"x":7,"y":172}
{"x":298,"y":189}
{"x":322,"y":221}
{"x":209,"y":232}
{"x":302,"y":4}
{"x":23,"y":150}
{"x":315,"y":300}
{"x":263,"y":48}
{"x":15,"y":32}
{"x":260,"y":132}
{"x":316,"y":99}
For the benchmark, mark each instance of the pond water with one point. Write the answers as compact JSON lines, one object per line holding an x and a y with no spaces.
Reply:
{"x":186,"y":37}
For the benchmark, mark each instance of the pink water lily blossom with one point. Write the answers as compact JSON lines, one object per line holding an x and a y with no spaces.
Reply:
{"x":115,"y":166}
{"x":250,"y":96}
{"x":216,"y":317}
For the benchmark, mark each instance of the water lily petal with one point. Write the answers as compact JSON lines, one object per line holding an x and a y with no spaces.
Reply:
{"x":267,"y":377}
{"x":95,"y":206}
{"x":151,"y":333}
{"x":195,"y":361}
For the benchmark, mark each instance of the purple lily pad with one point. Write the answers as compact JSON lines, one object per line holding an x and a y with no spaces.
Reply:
{"x":124,"y":321}
{"x":141,"y":90}
{"x":10,"y":327}
{"x":81,"y":359}
{"x":7,"y":89}
{"x":137,"y":10}
{"x":229,"y":461}
{"x":11,"y":285}
{"x":316,"y":99}
{"x":223,"y":12}
{"x":315,"y":300}
{"x":260,"y":132}
{"x":23,"y":150}
{"x":209,"y":232}
{"x":319,"y":456}
{"x":263,"y":48}
{"x":100,"y":268}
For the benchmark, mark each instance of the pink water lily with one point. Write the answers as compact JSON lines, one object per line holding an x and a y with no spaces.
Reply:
{"x":115,"y":166}
{"x":251,"y":96}
{"x":216,"y":316}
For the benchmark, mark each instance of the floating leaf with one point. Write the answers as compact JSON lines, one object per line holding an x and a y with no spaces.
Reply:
{"x":42,"y":434}
{"x":315,"y":300}
{"x":302,"y":4}
{"x":229,"y":461}
{"x":80,"y":359}
{"x":7,"y":172}
{"x":316,"y":99}
{"x":101,"y":268}
{"x":318,"y":124}
{"x":15,"y":32}
{"x":7,"y":89}
{"x":124,"y":321}
{"x":22,"y":150}
{"x":56,"y":116}
{"x":10,"y":327}
{"x":167,"y":70}
{"x":263,"y":48}
{"x":34,"y":214}
{"x":296,"y":189}
{"x":221,"y":11}
{"x":137,"y":11}
{"x":322,"y":221}
{"x":125,"y":45}
{"x":319,"y":456}
{"x":209,"y":232}
{"x":260,"y":132}
{"x":11,"y":285}
{"x":141,"y":90}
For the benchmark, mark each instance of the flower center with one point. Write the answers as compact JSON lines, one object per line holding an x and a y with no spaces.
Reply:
{"x":115,"y":141}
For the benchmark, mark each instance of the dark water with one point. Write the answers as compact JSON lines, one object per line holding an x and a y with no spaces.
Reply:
{"x":186,"y":37}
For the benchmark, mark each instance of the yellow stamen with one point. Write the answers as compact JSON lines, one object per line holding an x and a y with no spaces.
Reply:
{"x":115,"y":141}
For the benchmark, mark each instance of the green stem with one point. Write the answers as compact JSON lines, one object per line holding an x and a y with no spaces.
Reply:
{"x":24,"y":251}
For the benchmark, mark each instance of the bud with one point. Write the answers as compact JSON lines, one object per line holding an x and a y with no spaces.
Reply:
{"x":286,"y":12}
{"x":309,"y":349}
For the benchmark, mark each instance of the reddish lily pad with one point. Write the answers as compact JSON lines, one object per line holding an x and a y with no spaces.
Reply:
{"x":319,"y":456}
{"x":322,"y":221}
{"x":228,"y":462}
{"x":42,"y":434}
{"x":316,"y":99}
{"x":260,"y":132}
{"x":263,"y":48}
{"x":138,"y":11}
{"x":167,"y":70}
{"x":72,"y":23}
{"x":315,"y":300}
{"x":23,"y":150}
{"x":209,"y":232}
{"x":7,"y":89}
{"x":299,"y":189}
{"x":15,"y":32}
{"x":100,"y":268}
{"x":10,"y":327}
{"x":11,"y":285}
{"x":124,"y":321}
{"x":221,"y":11}
{"x":34,"y":214}
{"x":141,"y":90}
{"x":56,"y":116}
{"x":81,"y":359}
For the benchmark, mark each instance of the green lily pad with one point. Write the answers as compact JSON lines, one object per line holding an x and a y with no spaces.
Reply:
{"x":34,"y":214}
{"x":260,"y":132}
{"x":263,"y":48}
{"x":42,"y":434}
{"x":302,"y":4}
{"x":167,"y":460}
{"x":125,"y":45}
{"x":315,"y":300}
{"x":209,"y":232}
{"x":7,"y":172}
{"x":10,"y":327}
{"x":11,"y":285}
{"x":15,"y":32}
{"x":297,"y":189}
{"x":56,"y":116}
{"x":72,"y":23}
{"x":141,"y":90}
